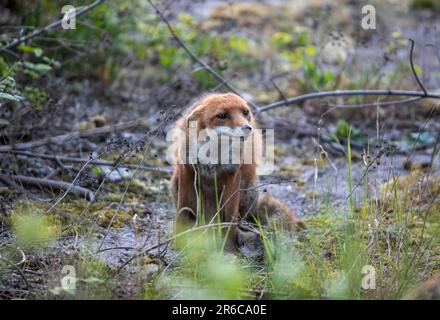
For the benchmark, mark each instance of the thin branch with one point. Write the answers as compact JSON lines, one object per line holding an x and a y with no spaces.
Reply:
{"x":413,"y":68}
{"x":49,"y":26}
{"x":282,"y":96}
{"x":55,"y":184}
{"x":94,"y":162}
{"x":339,"y":93}
{"x":71,"y":135}
{"x":197,"y":59}
{"x":372,"y":104}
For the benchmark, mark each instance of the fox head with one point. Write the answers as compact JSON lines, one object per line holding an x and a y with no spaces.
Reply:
{"x":217,"y":129}
{"x":226,"y":114}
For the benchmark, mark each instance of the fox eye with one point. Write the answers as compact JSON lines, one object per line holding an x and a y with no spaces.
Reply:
{"x":223,"y":115}
{"x":246,"y":113}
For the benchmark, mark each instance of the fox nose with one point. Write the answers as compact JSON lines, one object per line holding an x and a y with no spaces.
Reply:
{"x":248,"y":127}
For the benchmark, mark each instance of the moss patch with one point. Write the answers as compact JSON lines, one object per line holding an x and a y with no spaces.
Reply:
{"x":101,"y":213}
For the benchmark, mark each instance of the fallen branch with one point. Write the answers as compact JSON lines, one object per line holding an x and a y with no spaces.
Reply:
{"x":71,"y":135}
{"x":53,"y":184}
{"x":50,"y":26}
{"x":94,"y":162}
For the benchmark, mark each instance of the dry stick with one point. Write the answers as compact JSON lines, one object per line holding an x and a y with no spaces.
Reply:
{"x":280,"y":92}
{"x":338,"y":93}
{"x":365,"y":105}
{"x":197,"y":59}
{"x":71,"y":135}
{"x":72,"y":184}
{"x":413,"y":68}
{"x":50,"y":26}
{"x":95,"y":162}
{"x":56,"y":184}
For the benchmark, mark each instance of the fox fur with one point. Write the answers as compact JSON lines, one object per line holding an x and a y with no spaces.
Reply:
{"x":234,"y":185}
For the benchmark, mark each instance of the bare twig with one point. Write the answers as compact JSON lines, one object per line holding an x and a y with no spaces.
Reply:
{"x":55,"y":184}
{"x":339,"y":93}
{"x":94,"y":162}
{"x":72,"y":185}
{"x":50,"y":26}
{"x":197,"y":59}
{"x":280,"y":92}
{"x":72,"y":135}
{"x":413,"y":68}
{"x":372,"y":104}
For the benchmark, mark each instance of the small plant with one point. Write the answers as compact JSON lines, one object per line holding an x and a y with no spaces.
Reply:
{"x":203,"y":271}
{"x":32,"y":227}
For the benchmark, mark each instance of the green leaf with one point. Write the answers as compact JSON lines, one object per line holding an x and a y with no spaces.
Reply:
{"x":38,"y":67}
{"x":281,"y":39}
{"x":8,"y":96}
{"x":28,"y":49}
{"x":97,"y":170}
{"x":310,"y":51}
{"x":328,"y":76}
{"x":32,"y":227}
{"x":343,"y":129}
{"x":4,"y":122}
{"x":92,"y":280}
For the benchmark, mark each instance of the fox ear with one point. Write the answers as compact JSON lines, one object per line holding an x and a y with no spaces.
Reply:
{"x":192,"y":116}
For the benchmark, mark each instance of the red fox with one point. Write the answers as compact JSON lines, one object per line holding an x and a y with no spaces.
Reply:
{"x":226,"y":188}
